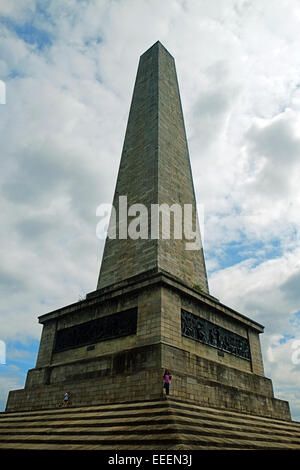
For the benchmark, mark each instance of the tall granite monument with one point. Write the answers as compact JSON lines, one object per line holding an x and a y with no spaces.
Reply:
{"x":152,"y":308}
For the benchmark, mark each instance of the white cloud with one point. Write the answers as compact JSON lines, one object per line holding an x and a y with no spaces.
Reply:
{"x":18,"y":10}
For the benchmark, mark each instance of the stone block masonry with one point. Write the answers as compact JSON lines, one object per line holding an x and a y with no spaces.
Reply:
{"x":155,"y":157}
{"x":131,"y":367}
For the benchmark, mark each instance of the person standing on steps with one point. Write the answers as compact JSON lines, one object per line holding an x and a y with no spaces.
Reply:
{"x":66,"y":399}
{"x":167,"y":379}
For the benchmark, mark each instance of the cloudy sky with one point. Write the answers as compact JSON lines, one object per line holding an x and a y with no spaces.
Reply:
{"x":69,"y":69}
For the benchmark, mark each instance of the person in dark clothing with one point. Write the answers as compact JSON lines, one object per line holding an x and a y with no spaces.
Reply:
{"x":166,"y":380}
{"x":66,"y":401}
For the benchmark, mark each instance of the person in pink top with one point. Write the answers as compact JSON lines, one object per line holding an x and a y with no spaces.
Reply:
{"x":167,"y":379}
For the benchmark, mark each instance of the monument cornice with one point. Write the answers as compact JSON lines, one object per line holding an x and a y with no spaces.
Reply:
{"x":149,"y":279}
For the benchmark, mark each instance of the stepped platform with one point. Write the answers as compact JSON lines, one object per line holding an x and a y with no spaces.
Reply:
{"x":166,"y":424}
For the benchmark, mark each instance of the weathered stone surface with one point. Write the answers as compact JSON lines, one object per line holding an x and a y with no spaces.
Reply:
{"x":154,"y":169}
{"x":131,"y":367}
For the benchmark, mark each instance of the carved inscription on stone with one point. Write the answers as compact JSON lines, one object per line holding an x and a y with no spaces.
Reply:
{"x":208,"y":333}
{"x":109,"y":327}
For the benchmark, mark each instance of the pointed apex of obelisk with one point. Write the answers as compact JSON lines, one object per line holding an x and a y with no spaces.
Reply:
{"x":156,"y":46}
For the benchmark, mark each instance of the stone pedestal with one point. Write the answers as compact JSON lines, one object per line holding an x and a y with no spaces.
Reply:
{"x":128,"y":365}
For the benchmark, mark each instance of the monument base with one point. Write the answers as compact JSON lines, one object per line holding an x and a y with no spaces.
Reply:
{"x":115,"y":345}
{"x":136,"y":375}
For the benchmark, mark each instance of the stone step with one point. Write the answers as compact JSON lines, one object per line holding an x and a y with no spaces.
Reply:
{"x":157,"y":411}
{"x":227,"y":412}
{"x":208,"y":419}
{"x":86,"y":409}
{"x":195,"y":431}
{"x":166,"y":424}
{"x":127,"y":408}
{"x":124,"y":414}
{"x":207,"y":428}
{"x":160,"y":443}
{"x":184,"y":409}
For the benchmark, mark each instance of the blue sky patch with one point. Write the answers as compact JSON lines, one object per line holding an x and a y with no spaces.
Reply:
{"x":286,"y":337}
{"x":28,"y":33}
{"x":238,"y":251}
{"x":20,"y":355}
{"x":295,"y":320}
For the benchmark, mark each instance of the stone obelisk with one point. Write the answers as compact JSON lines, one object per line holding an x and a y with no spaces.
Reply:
{"x":155,"y":169}
{"x":152,"y":308}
